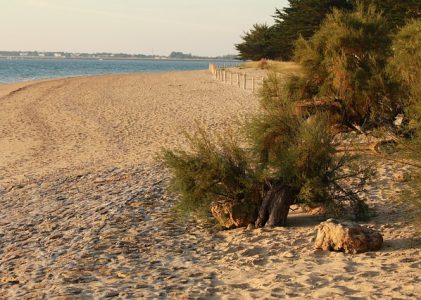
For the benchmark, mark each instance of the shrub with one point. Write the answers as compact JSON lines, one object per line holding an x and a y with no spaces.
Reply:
{"x":405,"y":66}
{"x":212,"y":170}
{"x":291,"y":158}
{"x":345,"y":62}
{"x":298,"y":152}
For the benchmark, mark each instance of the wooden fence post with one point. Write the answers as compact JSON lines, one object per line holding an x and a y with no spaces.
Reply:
{"x":252,"y":84}
{"x":245,"y":81}
{"x":238,"y":79}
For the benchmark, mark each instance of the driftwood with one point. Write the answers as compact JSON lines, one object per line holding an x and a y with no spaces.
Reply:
{"x":374,"y":147}
{"x":275,"y":207}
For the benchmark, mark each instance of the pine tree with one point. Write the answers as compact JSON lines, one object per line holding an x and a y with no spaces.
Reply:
{"x":301,"y":17}
{"x":397,"y":13}
{"x":257,"y":43}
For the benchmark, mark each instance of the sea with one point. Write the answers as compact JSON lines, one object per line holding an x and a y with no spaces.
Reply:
{"x":17,"y":70}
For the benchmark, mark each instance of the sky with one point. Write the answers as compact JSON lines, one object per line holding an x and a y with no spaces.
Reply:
{"x":200,"y":27}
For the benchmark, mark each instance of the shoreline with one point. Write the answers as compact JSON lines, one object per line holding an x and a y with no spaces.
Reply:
{"x":96,"y":75}
{"x":93,"y":76}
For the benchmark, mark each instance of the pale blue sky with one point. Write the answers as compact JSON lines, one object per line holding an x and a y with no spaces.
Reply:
{"x":202,"y":27}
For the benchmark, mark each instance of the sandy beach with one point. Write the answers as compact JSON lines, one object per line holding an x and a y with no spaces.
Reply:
{"x":85,"y":212}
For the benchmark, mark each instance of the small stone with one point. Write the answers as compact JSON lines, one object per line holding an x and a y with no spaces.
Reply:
{"x":398,"y":120}
{"x":289,"y":254}
{"x":121,"y":275}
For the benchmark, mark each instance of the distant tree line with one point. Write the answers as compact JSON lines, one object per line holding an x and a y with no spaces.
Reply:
{"x":173,"y":55}
{"x":181,"y":55}
{"x":304,"y":17}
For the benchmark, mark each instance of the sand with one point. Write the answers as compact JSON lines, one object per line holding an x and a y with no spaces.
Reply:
{"x":85,"y":212}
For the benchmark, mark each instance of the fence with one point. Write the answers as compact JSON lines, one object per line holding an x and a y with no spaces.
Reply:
{"x":240,"y":79}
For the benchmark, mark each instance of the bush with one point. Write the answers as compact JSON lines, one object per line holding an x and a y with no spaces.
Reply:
{"x":212,"y":171}
{"x":345,"y":62}
{"x":405,"y":66}
{"x":298,"y":152}
{"x":289,"y":155}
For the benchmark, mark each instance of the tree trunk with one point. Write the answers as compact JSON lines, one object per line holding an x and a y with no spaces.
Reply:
{"x":275,"y":208}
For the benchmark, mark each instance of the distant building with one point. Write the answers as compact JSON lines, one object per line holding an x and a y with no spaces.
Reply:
{"x":23,"y":54}
{"x":57,"y":55}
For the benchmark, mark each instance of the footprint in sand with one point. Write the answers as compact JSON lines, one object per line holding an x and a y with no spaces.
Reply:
{"x":252,"y":252}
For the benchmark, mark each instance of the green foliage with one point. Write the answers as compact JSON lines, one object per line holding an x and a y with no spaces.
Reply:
{"x":299,"y":153}
{"x":301,"y":18}
{"x":212,"y":171}
{"x":304,"y":18}
{"x":284,"y":149}
{"x":273,"y":88}
{"x":397,"y":13}
{"x":257,"y":43}
{"x":405,"y":66}
{"x":345,"y":61}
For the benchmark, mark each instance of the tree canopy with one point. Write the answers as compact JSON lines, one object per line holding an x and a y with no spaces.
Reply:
{"x":301,"y":17}
{"x":304,"y":18}
{"x":258,"y":43}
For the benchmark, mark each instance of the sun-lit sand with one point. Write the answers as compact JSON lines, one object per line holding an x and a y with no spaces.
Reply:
{"x":70,"y":124}
{"x":84,"y":211}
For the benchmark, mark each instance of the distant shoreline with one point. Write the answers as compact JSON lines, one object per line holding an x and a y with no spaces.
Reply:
{"x":116,"y":58}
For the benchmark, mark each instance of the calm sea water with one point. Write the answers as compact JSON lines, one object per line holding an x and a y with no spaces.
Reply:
{"x":14,"y":70}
